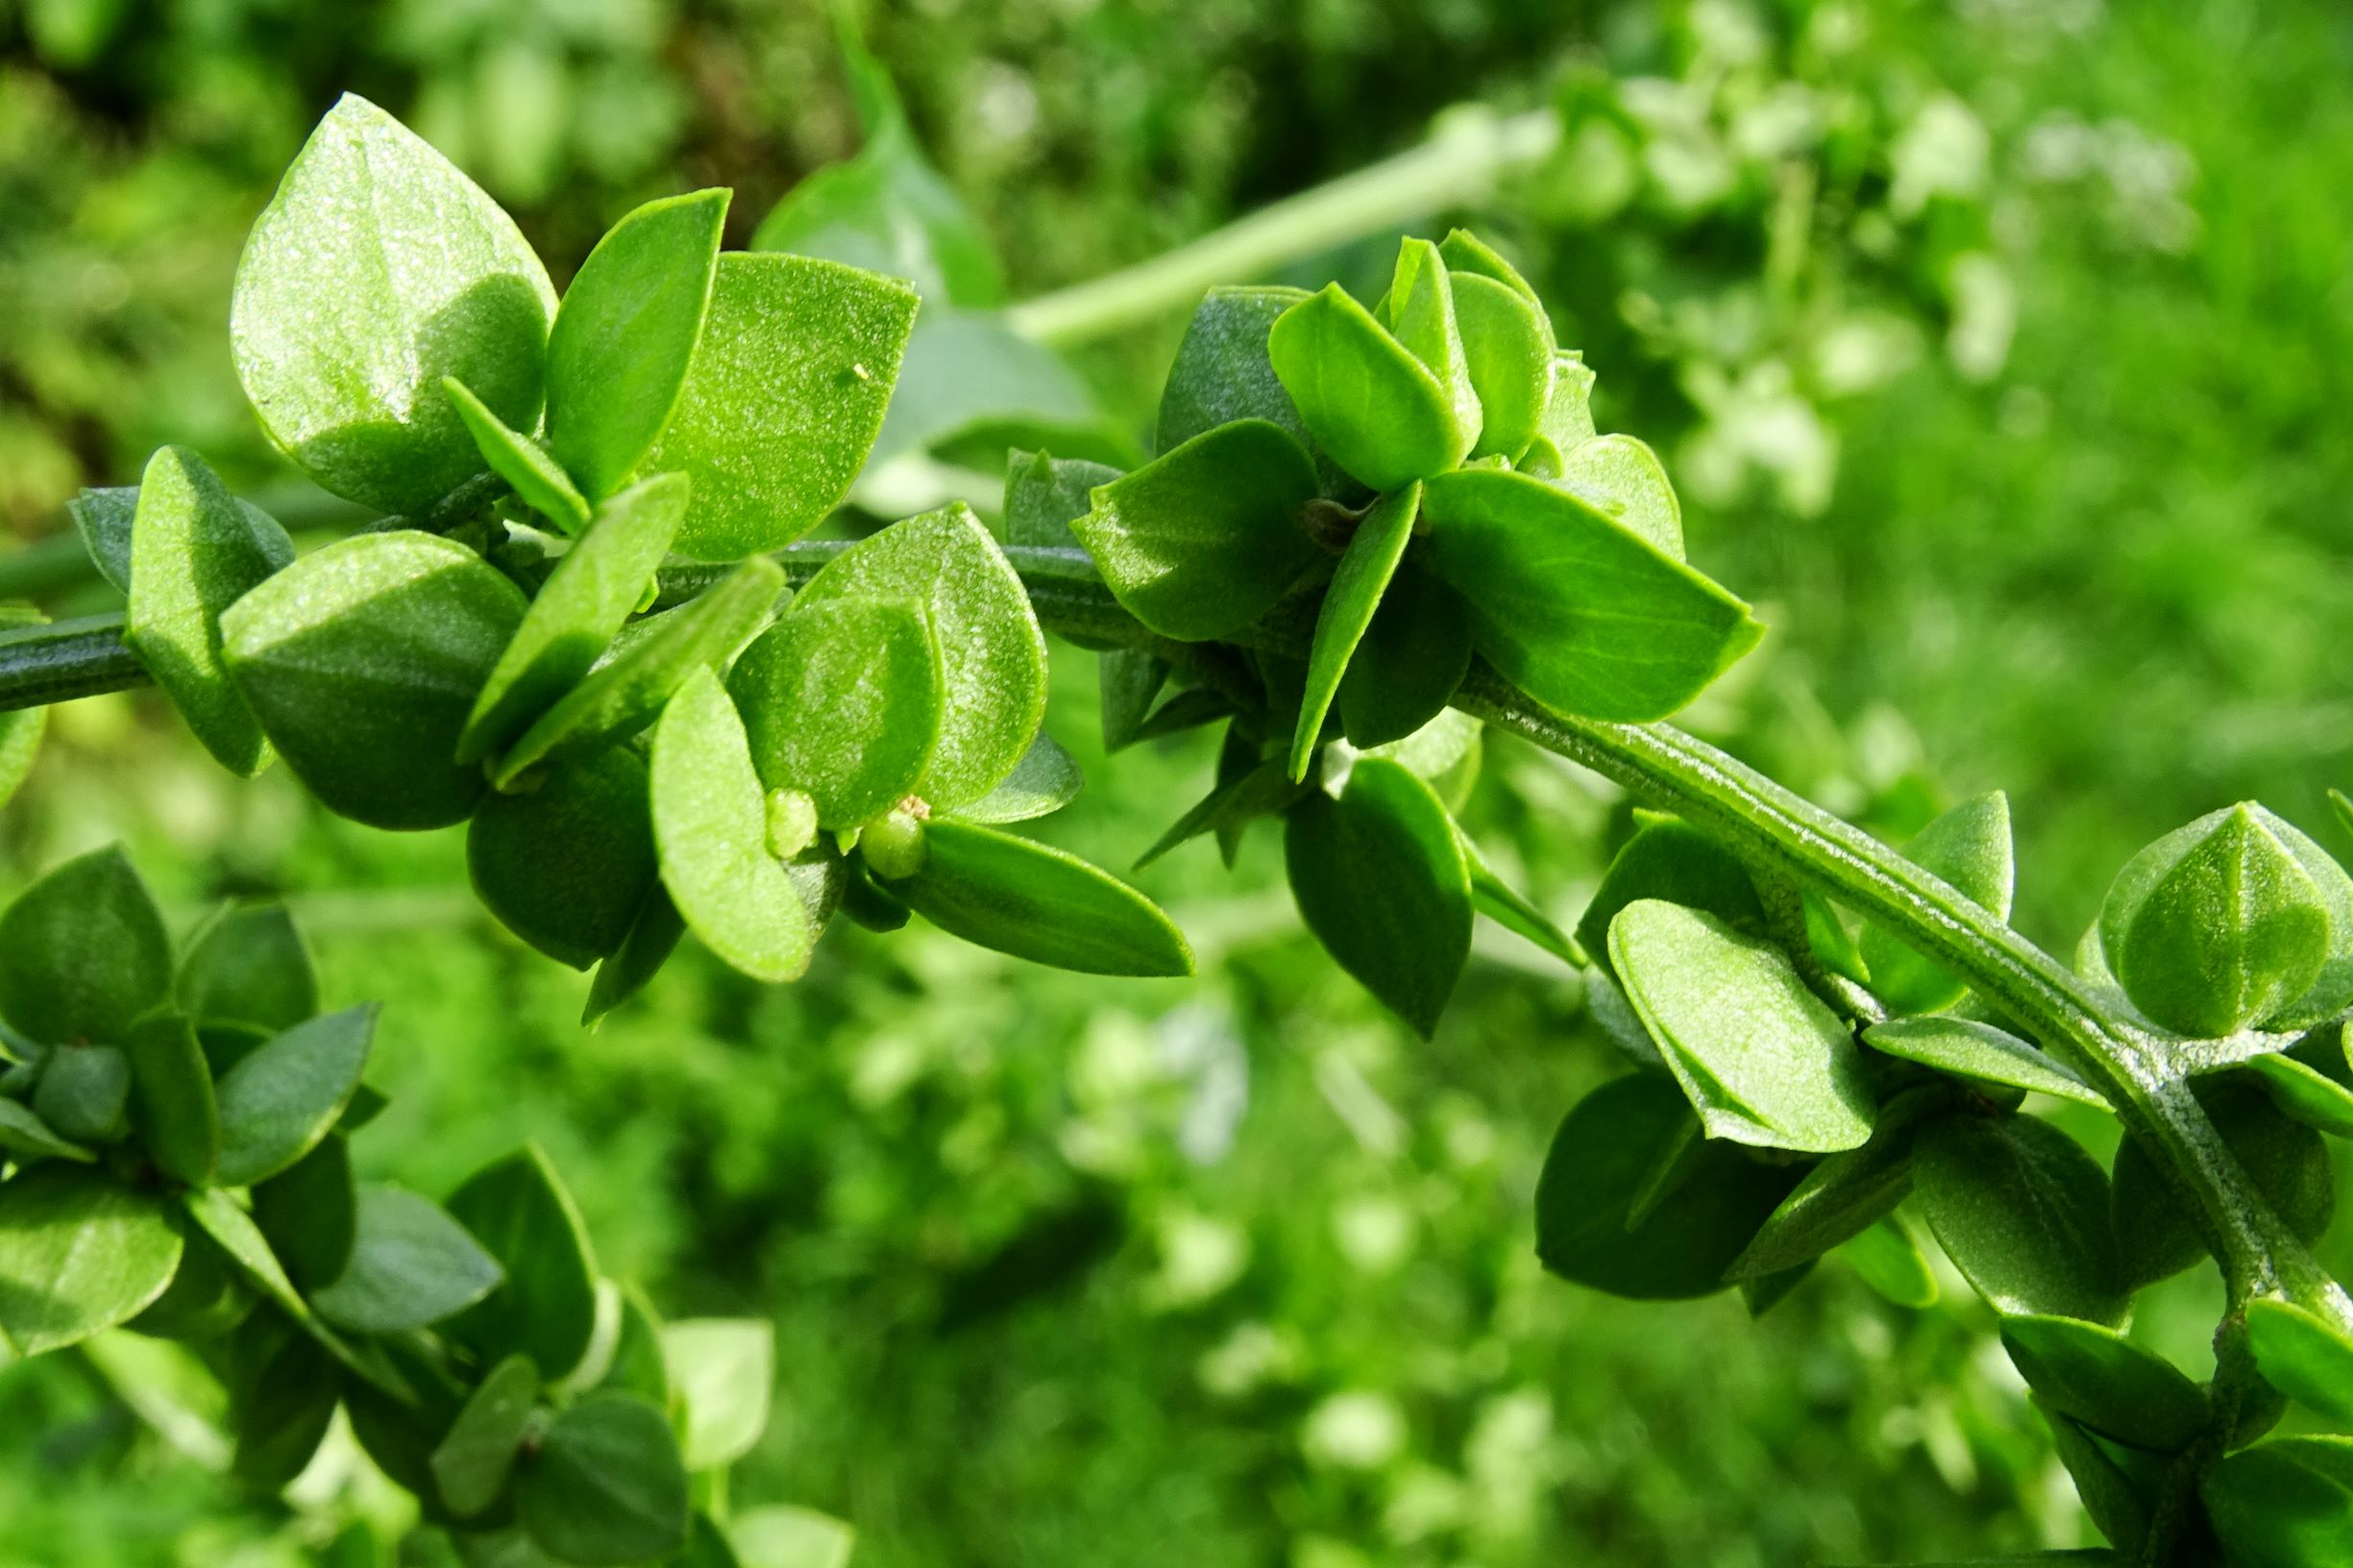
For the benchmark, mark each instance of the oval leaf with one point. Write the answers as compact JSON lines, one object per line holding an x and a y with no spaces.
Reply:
{"x":1409,"y":662}
{"x":1349,"y":605}
{"x":2283,"y":1505}
{"x":2115,"y":1388}
{"x":2021,"y":1211}
{"x":362,"y":662}
{"x":411,"y":1264}
{"x":842,"y":699}
{"x":566,"y":865}
{"x":1969,"y":846}
{"x":1046,"y":779}
{"x":377,"y":270}
{"x":724,"y":1369}
{"x":2304,"y":1356}
{"x":1579,"y":610}
{"x":606,"y":1485}
{"x":79,"y":1253}
{"x":82,"y":952}
{"x":277,"y":1102}
{"x":547,"y":1308}
{"x":472,"y":1464}
{"x":1508,"y":354}
{"x":1038,"y":902}
{"x":250,"y":965}
{"x":1367,"y":400}
{"x":1623,"y":480}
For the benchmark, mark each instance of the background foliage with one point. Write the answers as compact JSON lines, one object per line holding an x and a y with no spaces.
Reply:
{"x":2023,"y":429}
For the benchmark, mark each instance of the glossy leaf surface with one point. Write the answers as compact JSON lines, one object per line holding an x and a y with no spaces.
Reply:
{"x":1038,"y":902}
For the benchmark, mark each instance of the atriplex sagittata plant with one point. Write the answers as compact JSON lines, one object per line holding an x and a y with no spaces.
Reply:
{"x":584,"y":630}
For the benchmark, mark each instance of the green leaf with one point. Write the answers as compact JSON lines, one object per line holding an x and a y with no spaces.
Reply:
{"x":842,"y":699}
{"x":1411,"y":661}
{"x":1668,"y":858}
{"x":1349,"y":606}
{"x":567,"y":864}
{"x":1130,"y":678}
{"x":1978,"y":1051}
{"x":1381,"y":879}
{"x":625,"y":691}
{"x":1367,"y":400}
{"x":2215,"y":925}
{"x":783,"y":1537}
{"x":1420,"y":308}
{"x":84,"y":1092}
{"x":2023,"y":1211}
{"x":1842,"y":1196}
{"x":103,"y":517}
{"x":1224,"y":372}
{"x":2283,"y":1505}
{"x":308,"y":1212}
{"x":79,"y":1253}
{"x":1514,"y":910}
{"x":233,"y":1230}
{"x":472,"y":1464}
{"x":887,"y":210}
{"x":2304,"y":1356}
{"x":722,"y":1368}
{"x":2112,"y":1493}
{"x":1204,"y":540}
{"x":653,"y":935}
{"x":623,"y":339}
{"x":1465,"y":252}
{"x":1044,"y":494}
{"x":1622,"y":480}
{"x":2287,"y":1161}
{"x":207,"y":1299}
{"x":710,"y":830}
{"x":2305,"y":1094}
{"x":1508,"y":354}
{"x":597,"y":585}
{"x":29,"y":1139}
{"x":195,"y":550}
{"x":783,"y":399}
{"x":521,"y":461}
{"x":173,"y":1110}
{"x":1260,"y":788}
{"x":284,"y":1412}
{"x":1969,"y":846}
{"x":547,"y":1308}
{"x":1568,"y":418}
{"x":411,"y":1264}
{"x":362,"y":662}
{"x":249,"y":964}
{"x":990,"y":649}
{"x":606,"y":1485}
{"x":2118,"y":1389}
{"x":83,"y":951}
{"x":377,"y":270}
{"x":1603,"y":1159}
{"x":1046,"y":779}
{"x":1579,"y":610}
{"x":638,"y":1366}
{"x":1885,"y":1258}
{"x":277,"y":1102}
{"x":1037,"y":902}
{"x":1761,"y":1057}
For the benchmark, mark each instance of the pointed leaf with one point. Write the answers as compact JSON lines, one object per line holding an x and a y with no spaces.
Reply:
{"x":28,"y":1138}
{"x":308,"y":1212}
{"x":724,"y":1369}
{"x":1761,"y":1057}
{"x":1668,"y":858}
{"x":1968,"y":1049}
{"x":1204,"y":540}
{"x":1349,"y":605}
{"x":653,"y":935}
{"x":594,"y":589}
{"x":173,"y":1112}
{"x":842,"y":699}
{"x":1380,"y":877}
{"x":991,"y":651}
{"x":2304,"y":1356}
{"x":1886,"y":1259}
{"x":626,"y":690}
{"x":362,"y":662}
{"x":2305,"y":1094}
{"x":783,"y":398}
{"x":84,"y":1092}
{"x":1044,"y":494}
{"x":1130,"y":679}
{"x":2111,"y":1493}
{"x":1622,"y":480}
{"x":617,"y":354}
{"x":377,"y":270}
{"x":1367,"y":400}
{"x":1410,"y":662}
{"x":79,"y":1253}
{"x":2283,"y":1505}
{"x":249,"y":966}
{"x":1514,"y":910}
{"x":566,"y":865}
{"x":1603,"y":1157}
{"x":547,"y":1308}
{"x":1038,"y":902}
{"x":1579,"y":610}
{"x":472,"y":1465}
{"x":83,"y":951}
{"x":521,"y":461}
{"x":103,"y":517}
{"x":196,"y":550}
{"x":411,"y":1264}
{"x":277,"y":1103}
{"x":2023,"y":1211}
{"x":1969,"y":846}
{"x":2287,"y":1161}
{"x":606,"y":1485}
{"x":1421,"y":316}
{"x":1842,"y":1196}
{"x":1508,"y":354}
{"x":2118,"y":1389}
{"x":1046,"y":779}
{"x":710,"y":830}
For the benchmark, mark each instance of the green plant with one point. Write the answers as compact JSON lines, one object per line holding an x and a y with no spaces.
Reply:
{"x":179,"y":1133}
{"x":1358,"y":520}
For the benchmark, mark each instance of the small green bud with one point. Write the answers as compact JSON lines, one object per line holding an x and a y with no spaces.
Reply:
{"x":2216,"y":925}
{"x":792,"y":823}
{"x":893,"y":845}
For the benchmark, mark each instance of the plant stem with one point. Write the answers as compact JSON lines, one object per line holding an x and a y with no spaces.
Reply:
{"x":1469,"y":149}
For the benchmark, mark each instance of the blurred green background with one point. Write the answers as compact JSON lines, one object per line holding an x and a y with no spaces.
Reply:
{"x":2000,"y":349}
